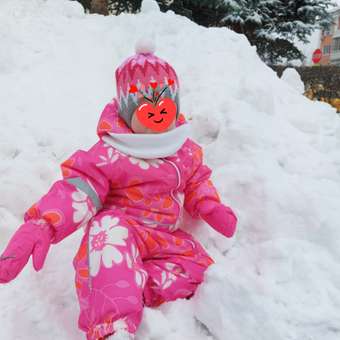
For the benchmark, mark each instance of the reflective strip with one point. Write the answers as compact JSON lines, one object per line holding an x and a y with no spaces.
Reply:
{"x":86,"y":188}
{"x":147,"y":221}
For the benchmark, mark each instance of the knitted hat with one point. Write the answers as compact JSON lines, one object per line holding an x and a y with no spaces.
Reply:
{"x":144,"y":75}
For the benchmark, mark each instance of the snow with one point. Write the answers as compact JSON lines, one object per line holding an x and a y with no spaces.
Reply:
{"x":149,"y":6}
{"x":275,"y":156}
{"x":292,"y":78}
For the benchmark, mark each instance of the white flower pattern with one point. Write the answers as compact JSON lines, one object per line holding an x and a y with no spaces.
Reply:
{"x":167,"y":277}
{"x":84,"y":210}
{"x":145,"y":163}
{"x":110,"y":158}
{"x":140,"y":273}
{"x":104,"y":237}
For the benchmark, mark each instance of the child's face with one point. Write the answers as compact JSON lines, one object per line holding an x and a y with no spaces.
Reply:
{"x":150,"y":118}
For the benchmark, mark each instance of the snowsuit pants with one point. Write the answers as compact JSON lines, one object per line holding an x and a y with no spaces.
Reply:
{"x":122,"y":265}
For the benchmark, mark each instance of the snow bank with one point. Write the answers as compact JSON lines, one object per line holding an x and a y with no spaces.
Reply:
{"x":275,"y":156}
{"x":292,"y":78}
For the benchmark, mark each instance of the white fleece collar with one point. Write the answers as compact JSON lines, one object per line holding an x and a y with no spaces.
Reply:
{"x":150,"y":146}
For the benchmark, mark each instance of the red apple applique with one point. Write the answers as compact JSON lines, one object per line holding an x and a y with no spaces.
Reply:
{"x":157,"y":117}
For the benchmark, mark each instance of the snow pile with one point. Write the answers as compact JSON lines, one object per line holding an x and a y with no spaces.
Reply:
{"x":292,"y":77}
{"x":275,"y":156}
{"x":149,"y":6}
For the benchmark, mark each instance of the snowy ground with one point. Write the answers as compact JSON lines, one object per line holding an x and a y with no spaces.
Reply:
{"x":275,"y":156}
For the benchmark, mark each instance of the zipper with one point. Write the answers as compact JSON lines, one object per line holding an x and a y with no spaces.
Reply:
{"x":178,"y":185}
{"x":88,"y":259}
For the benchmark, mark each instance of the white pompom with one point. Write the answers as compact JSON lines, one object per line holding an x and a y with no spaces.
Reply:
{"x":149,"y":6}
{"x":145,"y":45}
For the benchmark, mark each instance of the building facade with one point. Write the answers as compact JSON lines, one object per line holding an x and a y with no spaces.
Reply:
{"x":330,"y":42}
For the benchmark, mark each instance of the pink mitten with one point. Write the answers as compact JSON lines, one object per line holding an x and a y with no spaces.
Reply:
{"x":219,"y":217}
{"x":29,"y":239}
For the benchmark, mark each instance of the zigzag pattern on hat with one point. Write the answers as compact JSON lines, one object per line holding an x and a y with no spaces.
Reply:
{"x":147,"y":75}
{"x":130,"y":98}
{"x":132,"y":64}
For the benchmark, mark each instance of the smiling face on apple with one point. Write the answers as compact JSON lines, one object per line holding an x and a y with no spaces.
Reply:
{"x":154,"y":117}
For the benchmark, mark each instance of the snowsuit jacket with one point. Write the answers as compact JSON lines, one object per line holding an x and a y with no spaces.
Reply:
{"x":131,"y":211}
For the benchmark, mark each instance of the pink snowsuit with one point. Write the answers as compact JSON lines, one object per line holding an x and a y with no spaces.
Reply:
{"x":133,"y":252}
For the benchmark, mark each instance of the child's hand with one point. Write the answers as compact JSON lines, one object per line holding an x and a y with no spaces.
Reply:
{"x":29,"y":239}
{"x":220,"y":217}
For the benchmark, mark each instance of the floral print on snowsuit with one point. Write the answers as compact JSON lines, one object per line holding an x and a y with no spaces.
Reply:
{"x":133,"y":252}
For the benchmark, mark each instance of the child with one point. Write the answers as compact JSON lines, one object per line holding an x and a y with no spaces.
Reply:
{"x":128,"y":192}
